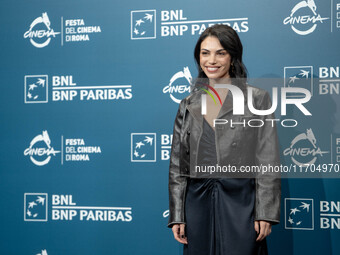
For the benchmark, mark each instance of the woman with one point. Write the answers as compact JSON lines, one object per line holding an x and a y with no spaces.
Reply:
{"x":222,"y":215}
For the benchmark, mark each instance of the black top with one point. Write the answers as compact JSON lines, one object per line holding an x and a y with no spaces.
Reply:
{"x":207,"y":146}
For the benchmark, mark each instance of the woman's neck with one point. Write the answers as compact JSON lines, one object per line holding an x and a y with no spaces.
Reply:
{"x":224,"y":80}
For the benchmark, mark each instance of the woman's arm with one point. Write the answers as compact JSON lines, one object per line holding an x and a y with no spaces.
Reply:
{"x":268,"y":185}
{"x":177,"y":183}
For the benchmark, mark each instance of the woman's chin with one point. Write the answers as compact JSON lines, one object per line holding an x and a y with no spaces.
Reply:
{"x":213,"y":76}
{"x":216,"y":75}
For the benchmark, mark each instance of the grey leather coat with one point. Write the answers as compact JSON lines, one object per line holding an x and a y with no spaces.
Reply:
{"x":237,"y":145}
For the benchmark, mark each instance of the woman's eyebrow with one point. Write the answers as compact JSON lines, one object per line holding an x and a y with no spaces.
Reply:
{"x":216,"y":51}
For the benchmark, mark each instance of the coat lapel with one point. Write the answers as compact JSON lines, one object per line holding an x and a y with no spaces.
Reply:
{"x":227,"y":106}
{"x":194,"y":106}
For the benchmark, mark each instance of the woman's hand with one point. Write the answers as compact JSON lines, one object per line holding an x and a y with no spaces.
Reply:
{"x":263,"y":229}
{"x":179,"y":234}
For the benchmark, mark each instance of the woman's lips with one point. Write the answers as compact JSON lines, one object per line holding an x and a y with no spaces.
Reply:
{"x":212,"y":69}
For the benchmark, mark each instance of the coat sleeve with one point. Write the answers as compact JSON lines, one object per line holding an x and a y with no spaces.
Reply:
{"x":177,"y":183}
{"x":268,"y":185}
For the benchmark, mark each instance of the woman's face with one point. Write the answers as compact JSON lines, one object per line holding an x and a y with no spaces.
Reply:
{"x":214,"y":59}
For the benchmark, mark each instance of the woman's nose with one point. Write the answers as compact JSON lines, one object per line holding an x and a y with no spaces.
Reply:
{"x":212,"y":59}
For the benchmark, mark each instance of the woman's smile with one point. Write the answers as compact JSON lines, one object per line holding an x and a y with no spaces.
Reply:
{"x":212,"y":69}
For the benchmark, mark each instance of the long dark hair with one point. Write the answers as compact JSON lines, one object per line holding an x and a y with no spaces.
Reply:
{"x":231,"y":42}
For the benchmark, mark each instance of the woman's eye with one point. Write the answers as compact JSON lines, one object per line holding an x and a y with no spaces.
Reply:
{"x":218,"y":53}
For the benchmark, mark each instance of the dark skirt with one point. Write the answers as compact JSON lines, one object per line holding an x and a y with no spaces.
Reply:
{"x":220,"y":219}
{"x":220,"y":212}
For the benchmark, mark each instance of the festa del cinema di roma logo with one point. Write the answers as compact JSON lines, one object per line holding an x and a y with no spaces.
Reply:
{"x":40,"y":31}
{"x":304,"y":24}
{"x":43,"y":252}
{"x":40,"y":149}
{"x":308,"y":154}
{"x":179,"y":84}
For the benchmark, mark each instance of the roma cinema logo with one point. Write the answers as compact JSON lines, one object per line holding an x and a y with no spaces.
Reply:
{"x":303,"y":18}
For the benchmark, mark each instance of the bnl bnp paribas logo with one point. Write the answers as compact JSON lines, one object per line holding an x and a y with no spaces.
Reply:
{"x":327,"y":82}
{"x":302,"y":213}
{"x":35,"y":206}
{"x":36,"y":89}
{"x":175,"y":23}
{"x":64,"y":208}
{"x":143,"y":147}
{"x":298,"y":77}
{"x":304,"y":18}
{"x":143,"y":24}
{"x":299,"y":213}
{"x":65,"y":88}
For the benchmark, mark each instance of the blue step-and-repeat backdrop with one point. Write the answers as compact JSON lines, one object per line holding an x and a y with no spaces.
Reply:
{"x":89,"y":94}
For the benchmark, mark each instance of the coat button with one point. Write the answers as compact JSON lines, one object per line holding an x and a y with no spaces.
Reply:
{"x":233,"y":144}
{"x":188,"y":132}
